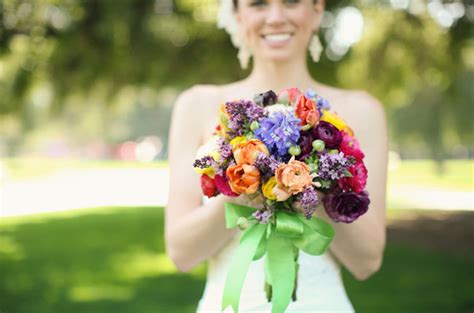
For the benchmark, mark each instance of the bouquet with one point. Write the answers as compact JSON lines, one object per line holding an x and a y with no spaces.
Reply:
{"x":291,"y":154}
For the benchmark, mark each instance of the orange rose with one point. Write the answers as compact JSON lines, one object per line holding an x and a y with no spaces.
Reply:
{"x":247,"y":152}
{"x":243,"y":178}
{"x":292,"y":178}
{"x":306,"y":110}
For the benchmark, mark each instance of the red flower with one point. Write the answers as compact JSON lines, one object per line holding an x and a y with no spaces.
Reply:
{"x":222,"y":184}
{"x":350,"y":146}
{"x":306,"y":110}
{"x":358,"y":181}
{"x":208,"y":186}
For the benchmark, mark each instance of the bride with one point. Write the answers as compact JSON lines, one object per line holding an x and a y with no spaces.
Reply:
{"x":276,"y":34}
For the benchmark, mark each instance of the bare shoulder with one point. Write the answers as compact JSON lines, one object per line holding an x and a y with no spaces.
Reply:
{"x":366,"y":102}
{"x":194,"y":96}
{"x":357,"y":106}
{"x":194,"y":103}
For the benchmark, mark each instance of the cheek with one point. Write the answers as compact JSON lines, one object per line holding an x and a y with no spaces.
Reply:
{"x":251,"y":22}
{"x":303,"y":19}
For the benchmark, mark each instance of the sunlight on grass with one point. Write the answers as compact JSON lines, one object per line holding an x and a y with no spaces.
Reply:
{"x":9,"y":249}
{"x":100,"y":292}
{"x":138,"y":265}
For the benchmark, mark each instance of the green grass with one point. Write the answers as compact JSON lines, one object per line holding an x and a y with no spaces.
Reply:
{"x":112,"y":260}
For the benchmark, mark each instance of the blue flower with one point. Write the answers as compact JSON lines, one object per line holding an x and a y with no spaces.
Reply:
{"x":279,"y":132}
{"x":321,"y":103}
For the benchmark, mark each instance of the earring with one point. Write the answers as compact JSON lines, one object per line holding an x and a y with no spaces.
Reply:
{"x":244,"y":53}
{"x":243,"y":56}
{"x":315,"y":48}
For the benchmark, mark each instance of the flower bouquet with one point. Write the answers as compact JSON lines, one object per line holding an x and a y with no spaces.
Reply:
{"x":291,"y":154}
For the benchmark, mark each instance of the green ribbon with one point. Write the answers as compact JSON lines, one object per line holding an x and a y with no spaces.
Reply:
{"x":277,"y":241}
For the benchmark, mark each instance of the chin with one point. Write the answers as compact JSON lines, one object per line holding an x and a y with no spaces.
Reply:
{"x":278,"y":56}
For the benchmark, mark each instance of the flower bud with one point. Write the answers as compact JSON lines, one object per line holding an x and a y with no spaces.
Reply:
{"x":242,"y":223}
{"x":295,"y":150}
{"x":254,"y":126}
{"x":318,"y":145}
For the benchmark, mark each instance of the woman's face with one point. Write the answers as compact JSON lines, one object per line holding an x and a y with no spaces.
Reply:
{"x":278,"y":30}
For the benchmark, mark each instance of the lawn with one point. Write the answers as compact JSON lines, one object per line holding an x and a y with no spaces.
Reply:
{"x":112,"y":260}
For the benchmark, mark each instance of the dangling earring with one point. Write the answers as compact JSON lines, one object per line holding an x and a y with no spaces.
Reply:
{"x":244,"y":53}
{"x":243,"y":56}
{"x":315,"y":48}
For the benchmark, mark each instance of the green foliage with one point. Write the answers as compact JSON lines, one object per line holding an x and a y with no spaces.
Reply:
{"x":89,"y":53}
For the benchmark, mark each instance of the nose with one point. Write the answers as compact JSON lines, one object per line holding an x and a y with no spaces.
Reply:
{"x":276,"y":14}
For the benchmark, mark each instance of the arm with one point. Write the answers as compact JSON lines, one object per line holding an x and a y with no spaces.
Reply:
{"x":360,"y":245}
{"x":193,"y":232}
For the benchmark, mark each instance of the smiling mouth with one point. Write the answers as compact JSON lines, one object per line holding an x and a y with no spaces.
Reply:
{"x":277,"y":37}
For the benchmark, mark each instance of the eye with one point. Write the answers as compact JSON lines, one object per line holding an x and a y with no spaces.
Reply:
{"x":256,"y":3}
{"x":291,"y":1}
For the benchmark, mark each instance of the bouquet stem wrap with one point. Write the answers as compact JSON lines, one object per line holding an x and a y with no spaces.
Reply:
{"x":278,"y":241}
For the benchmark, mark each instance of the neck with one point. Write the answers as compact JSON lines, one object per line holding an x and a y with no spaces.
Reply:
{"x":277,"y":76}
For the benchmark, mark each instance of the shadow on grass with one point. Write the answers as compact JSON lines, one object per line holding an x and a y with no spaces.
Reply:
{"x":107,"y":260}
{"x":428,"y":266}
{"x":112,"y":260}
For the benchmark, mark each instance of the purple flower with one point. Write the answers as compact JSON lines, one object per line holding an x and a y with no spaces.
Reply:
{"x":346,"y":206}
{"x":266,"y":165}
{"x":241,"y":114}
{"x":308,"y":201}
{"x":279,"y":131}
{"x":328,"y":133}
{"x":333,"y":166}
{"x":263,"y":216}
{"x":204,"y":162}
{"x":306,"y":145}
{"x":266,"y":98}
{"x":224,"y":148}
{"x":322,"y":103}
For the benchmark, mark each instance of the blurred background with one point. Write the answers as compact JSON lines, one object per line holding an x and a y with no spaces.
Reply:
{"x":86,"y":92}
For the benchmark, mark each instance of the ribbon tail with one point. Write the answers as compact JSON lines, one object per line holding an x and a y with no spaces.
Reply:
{"x":241,"y":261}
{"x":281,"y":267}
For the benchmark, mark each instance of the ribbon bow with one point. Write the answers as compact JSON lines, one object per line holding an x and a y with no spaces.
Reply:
{"x":277,"y":241}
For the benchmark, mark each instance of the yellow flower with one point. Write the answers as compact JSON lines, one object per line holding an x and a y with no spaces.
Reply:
{"x":223,"y":117}
{"x":333,"y":118}
{"x":267,"y":188}
{"x":209,"y":148}
{"x":237,"y":140}
{"x":209,"y":171}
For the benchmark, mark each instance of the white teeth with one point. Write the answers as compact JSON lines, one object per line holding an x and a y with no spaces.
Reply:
{"x":277,"y":37}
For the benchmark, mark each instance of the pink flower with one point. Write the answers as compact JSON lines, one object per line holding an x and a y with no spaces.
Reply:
{"x":350,"y":146}
{"x":358,"y":181}
{"x":289,"y":95}
{"x":222,"y":184}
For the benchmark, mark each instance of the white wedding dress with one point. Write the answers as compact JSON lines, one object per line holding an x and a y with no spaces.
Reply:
{"x":320,"y":287}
